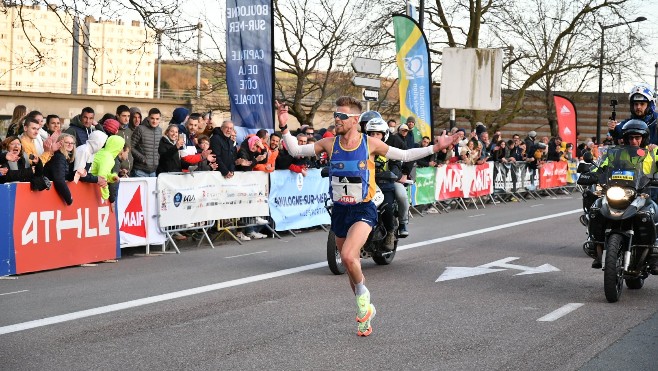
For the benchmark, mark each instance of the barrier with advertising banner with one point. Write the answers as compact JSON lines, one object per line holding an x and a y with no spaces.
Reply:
{"x":137,"y":212}
{"x":297,"y":201}
{"x":207,"y":195}
{"x":553,"y":175}
{"x":463,"y":181}
{"x":422,"y":192}
{"x":48,"y":234}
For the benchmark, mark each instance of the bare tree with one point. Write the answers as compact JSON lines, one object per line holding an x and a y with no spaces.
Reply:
{"x":314,"y":43}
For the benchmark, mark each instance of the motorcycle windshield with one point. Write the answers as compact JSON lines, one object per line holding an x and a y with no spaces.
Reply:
{"x":624,"y":167}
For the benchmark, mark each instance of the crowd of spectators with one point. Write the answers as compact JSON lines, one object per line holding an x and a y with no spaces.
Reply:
{"x":37,"y":149}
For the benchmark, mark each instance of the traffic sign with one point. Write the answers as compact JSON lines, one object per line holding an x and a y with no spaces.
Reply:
{"x":370,"y":95}
{"x":366,"y":82}
{"x":365,"y":65}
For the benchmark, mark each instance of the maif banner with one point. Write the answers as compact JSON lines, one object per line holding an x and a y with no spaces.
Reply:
{"x":565,"y":111}
{"x":250,"y":64}
{"x":49,"y":234}
{"x":553,"y":174}
{"x":185,"y":199}
{"x":423,"y":187}
{"x":137,"y":211}
{"x":414,"y":74}
{"x":297,"y":201}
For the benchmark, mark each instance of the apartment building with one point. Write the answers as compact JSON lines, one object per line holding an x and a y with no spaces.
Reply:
{"x":38,"y":54}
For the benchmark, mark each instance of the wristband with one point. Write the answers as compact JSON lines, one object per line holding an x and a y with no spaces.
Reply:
{"x":282,"y":128}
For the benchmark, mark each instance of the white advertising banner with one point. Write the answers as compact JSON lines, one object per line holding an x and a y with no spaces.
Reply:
{"x":206,"y":195}
{"x":137,"y":211}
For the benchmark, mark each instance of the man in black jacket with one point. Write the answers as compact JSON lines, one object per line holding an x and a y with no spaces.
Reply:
{"x":224,"y":148}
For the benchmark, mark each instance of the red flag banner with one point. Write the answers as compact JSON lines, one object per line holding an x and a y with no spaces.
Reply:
{"x":565,"y":112}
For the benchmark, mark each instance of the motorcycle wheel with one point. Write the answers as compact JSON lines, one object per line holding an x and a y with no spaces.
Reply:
{"x":385,"y":258}
{"x":634,"y":283}
{"x":333,"y":256}
{"x":613,"y":282}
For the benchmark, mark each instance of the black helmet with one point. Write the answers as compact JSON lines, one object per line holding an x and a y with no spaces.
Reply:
{"x":635,"y":127}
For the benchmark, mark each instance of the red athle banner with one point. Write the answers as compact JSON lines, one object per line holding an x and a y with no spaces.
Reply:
{"x":553,"y":174}
{"x":48,"y":234}
{"x":565,"y":112}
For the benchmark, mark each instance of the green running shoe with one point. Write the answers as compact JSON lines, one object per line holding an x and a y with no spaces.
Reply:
{"x":364,"y":328}
{"x":363,"y":307}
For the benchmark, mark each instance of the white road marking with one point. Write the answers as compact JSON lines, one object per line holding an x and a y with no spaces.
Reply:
{"x":241,"y":281}
{"x":14,"y":292}
{"x":237,"y":256}
{"x":560,"y":312}
{"x":536,"y":205}
{"x":475,"y":216}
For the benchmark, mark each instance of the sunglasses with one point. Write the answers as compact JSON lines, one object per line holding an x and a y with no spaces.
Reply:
{"x":344,"y":116}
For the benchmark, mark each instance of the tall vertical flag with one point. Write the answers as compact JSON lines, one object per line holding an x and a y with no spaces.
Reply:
{"x":250,"y":64}
{"x":565,"y":112}
{"x":415,"y":79}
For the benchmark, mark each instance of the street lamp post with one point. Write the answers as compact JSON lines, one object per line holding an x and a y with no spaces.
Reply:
{"x":600,"y":96}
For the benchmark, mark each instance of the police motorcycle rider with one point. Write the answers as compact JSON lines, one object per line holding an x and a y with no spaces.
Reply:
{"x":642,"y":107}
{"x":400,"y":191}
{"x":634,"y":133}
{"x":387,"y":172}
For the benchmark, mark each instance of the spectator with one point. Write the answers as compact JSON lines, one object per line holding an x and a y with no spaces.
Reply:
{"x":409,"y":139}
{"x":82,"y":125}
{"x":30,"y":140}
{"x":126,"y":129}
{"x":484,"y":144}
{"x":330,"y":133}
{"x":111,"y":126}
{"x":608,"y":141}
{"x":517,"y":152}
{"x":144,"y":143}
{"x":53,"y":124}
{"x":530,"y":141}
{"x":60,"y":168}
{"x":391,"y":125}
{"x":500,"y":152}
{"x":104,"y":163}
{"x":470,"y":154}
{"x":273,"y":153}
{"x":179,"y":117}
{"x":84,"y":157}
{"x":15,"y":123}
{"x":554,"y":152}
{"x":18,"y":166}
{"x":224,"y":148}
{"x":209,"y":163}
{"x":206,"y":125}
{"x":135,"y":118}
{"x":123,"y":117}
{"x":168,"y":149}
{"x":429,"y":161}
{"x":568,"y":152}
{"x":297,"y":164}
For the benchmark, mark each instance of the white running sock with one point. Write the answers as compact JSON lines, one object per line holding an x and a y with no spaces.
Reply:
{"x":360,"y":288}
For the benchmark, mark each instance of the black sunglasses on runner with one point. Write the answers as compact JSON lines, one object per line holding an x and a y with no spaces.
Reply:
{"x":344,"y":116}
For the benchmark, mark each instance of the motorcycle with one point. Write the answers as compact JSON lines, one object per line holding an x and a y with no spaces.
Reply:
{"x":621,"y":218}
{"x":374,"y":247}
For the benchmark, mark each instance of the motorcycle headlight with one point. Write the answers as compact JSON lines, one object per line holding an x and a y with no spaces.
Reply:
{"x":619,"y":197}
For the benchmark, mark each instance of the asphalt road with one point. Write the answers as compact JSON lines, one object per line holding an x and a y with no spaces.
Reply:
{"x":461,"y":294}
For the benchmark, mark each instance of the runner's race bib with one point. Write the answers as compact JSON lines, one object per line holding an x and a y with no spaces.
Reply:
{"x":347,"y":189}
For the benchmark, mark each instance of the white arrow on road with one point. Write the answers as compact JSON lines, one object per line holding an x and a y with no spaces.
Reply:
{"x":453,"y":273}
{"x":502,"y":263}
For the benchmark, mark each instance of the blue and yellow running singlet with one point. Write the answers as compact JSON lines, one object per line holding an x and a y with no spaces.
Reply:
{"x":351,"y":173}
